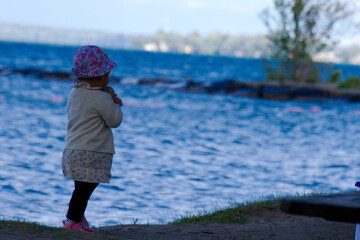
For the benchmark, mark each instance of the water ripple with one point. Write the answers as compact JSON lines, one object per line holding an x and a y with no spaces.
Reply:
{"x":195,"y":151}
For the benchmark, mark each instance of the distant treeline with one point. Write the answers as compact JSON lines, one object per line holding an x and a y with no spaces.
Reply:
{"x":211,"y":44}
{"x":160,"y":41}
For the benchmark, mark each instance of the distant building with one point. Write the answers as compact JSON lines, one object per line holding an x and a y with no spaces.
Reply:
{"x":188,"y":49}
{"x":151,"y":47}
{"x":326,"y":57}
{"x":164,"y":47}
{"x":240,"y":53}
{"x":257,"y":54}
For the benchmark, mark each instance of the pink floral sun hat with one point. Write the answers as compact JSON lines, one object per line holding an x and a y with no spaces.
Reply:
{"x":91,"y":61}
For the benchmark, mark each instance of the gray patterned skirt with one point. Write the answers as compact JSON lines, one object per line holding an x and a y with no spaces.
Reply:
{"x":87,"y":166}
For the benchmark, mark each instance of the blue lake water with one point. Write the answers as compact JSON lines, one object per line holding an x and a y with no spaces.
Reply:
{"x":176,"y":152}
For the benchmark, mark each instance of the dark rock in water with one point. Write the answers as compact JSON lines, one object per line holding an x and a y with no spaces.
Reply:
{"x":47,"y":74}
{"x":44,"y":74}
{"x":311,"y":94}
{"x":57,"y":75}
{"x":247,"y":92}
{"x":38,"y":73}
{"x":5,"y":71}
{"x":277,"y":92}
{"x":267,"y":90}
{"x":307,"y":91}
{"x":191,"y":83}
{"x":350,"y":95}
{"x":115,"y":79}
{"x":155,"y":81}
{"x":226,"y":86}
{"x":192,"y":86}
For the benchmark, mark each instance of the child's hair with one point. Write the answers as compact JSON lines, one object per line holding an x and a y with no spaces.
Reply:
{"x":91,"y":62}
{"x":90,"y":79}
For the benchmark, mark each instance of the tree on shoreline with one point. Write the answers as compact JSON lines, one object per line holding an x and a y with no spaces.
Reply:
{"x":297,"y":31}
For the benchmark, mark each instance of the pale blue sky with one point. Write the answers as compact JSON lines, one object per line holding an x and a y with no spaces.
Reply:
{"x":144,"y":16}
{"x":140,"y":16}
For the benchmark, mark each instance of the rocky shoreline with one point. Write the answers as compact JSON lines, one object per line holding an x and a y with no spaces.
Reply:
{"x":266,"y":89}
{"x":287,"y":90}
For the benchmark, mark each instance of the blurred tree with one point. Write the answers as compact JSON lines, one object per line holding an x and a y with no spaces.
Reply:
{"x":194,"y":40}
{"x":231,"y":44}
{"x":137,"y":42}
{"x":213,"y":43}
{"x":298,"y":30}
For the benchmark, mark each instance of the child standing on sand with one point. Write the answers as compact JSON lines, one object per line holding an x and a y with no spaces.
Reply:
{"x":89,"y":144}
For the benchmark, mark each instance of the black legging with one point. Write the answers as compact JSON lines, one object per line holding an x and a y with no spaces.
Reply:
{"x":79,"y":200}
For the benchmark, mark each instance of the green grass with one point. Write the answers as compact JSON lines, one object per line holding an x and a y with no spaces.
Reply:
{"x":351,"y":82}
{"x":24,"y":226}
{"x":239,"y":212}
{"x":233,"y":213}
{"x":32,"y":230}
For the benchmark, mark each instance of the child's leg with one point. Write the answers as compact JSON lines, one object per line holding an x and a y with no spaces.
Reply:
{"x":79,"y":200}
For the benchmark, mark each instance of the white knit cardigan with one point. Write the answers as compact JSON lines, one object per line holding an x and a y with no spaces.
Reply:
{"x":91,"y":115}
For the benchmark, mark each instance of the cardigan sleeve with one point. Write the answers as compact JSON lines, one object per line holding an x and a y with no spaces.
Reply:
{"x":110,"y":112}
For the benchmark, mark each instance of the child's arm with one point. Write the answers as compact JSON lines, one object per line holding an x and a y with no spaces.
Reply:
{"x":110,"y":112}
{"x":117,"y":100}
{"x":114,"y":96}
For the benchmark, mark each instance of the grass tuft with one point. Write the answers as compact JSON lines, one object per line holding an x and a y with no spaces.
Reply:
{"x":239,"y":212}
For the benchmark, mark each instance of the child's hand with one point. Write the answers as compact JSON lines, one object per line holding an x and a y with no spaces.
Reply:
{"x":117,"y":100}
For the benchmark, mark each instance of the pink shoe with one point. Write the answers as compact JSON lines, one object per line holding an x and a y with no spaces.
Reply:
{"x":76,"y":226}
{"x":84,"y":222}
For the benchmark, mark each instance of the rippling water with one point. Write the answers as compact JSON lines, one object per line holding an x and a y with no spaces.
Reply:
{"x":175,"y":152}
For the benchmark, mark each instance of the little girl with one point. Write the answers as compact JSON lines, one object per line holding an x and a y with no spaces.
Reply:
{"x":89,"y":144}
